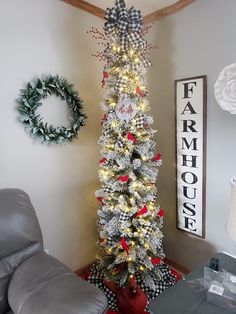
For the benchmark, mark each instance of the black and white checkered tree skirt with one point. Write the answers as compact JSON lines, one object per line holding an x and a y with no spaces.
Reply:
{"x":168,"y":279}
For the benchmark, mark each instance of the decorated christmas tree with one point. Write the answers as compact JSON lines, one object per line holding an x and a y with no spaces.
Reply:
{"x":129,"y":218}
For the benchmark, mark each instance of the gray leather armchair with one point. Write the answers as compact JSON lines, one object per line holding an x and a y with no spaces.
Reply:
{"x":32,"y":282}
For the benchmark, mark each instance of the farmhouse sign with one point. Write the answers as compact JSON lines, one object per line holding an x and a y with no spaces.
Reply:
{"x":190,"y":96}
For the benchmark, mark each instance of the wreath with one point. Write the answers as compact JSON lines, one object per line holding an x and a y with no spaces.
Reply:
{"x":31,"y":98}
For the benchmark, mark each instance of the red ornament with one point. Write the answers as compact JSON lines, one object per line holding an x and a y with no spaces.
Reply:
{"x":161,"y":213}
{"x":131,"y":137}
{"x":100,"y":198}
{"x":157,"y":157}
{"x":123,"y":178}
{"x":104,"y":118}
{"x":102,"y":160}
{"x":124,"y":245}
{"x":139,"y":91}
{"x":142,"y":211}
{"x":105,"y":76}
{"x":156,"y":261}
{"x":101,"y":240}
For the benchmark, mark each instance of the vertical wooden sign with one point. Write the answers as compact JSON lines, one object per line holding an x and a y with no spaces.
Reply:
{"x":190,"y":97}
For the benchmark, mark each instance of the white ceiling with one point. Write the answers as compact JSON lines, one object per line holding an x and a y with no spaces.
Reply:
{"x":146,"y":6}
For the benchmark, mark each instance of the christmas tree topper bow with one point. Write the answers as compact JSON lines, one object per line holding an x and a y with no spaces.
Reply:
{"x":128,"y":23}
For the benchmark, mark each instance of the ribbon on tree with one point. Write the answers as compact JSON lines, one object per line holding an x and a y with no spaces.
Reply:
{"x":128,"y":23}
{"x":148,"y":231}
{"x":136,"y":65}
{"x":139,"y":121}
{"x":121,"y":83}
{"x":133,"y":39}
{"x":107,"y":190}
{"x":146,"y":62}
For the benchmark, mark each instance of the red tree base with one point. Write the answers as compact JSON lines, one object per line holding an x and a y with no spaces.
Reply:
{"x":130,"y":299}
{"x":119,"y":299}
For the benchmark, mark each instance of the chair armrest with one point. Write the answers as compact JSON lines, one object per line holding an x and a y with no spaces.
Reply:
{"x":43,"y":285}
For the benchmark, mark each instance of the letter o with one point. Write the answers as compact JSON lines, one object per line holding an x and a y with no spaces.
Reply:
{"x":189,"y":179}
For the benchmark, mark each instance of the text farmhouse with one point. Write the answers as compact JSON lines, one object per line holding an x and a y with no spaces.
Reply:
{"x":190,"y":133}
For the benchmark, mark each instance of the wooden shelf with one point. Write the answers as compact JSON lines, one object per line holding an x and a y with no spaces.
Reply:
{"x":152,"y":17}
{"x":171,"y":9}
{"x":88,"y":7}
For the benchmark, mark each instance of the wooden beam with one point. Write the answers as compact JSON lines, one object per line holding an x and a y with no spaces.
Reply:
{"x":171,"y":9}
{"x":159,"y":14}
{"x":88,"y":7}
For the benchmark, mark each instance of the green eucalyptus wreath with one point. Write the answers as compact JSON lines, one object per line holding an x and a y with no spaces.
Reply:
{"x":31,"y":98}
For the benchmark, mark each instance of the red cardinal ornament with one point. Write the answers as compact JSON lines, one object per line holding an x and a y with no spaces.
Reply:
{"x":130,"y":299}
{"x":131,"y":137}
{"x":103,"y":160}
{"x":139,"y":91}
{"x":161,"y":213}
{"x":142,"y":211}
{"x":124,"y":245}
{"x":157,"y":157}
{"x":156,"y":261}
{"x":104,"y":118}
{"x":123,"y":178}
{"x":100,"y":198}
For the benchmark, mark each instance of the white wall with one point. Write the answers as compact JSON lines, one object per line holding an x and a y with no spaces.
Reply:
{"x":48,"y":37}
{"x":198,"y":40}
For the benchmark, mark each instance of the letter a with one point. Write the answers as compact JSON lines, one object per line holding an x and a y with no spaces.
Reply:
{"x":189,"y":108}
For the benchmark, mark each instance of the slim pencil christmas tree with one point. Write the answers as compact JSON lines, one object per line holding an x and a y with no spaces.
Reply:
{"x":129,"y":218}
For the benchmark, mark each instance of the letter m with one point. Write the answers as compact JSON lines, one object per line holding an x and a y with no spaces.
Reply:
{"x":186,"y":144}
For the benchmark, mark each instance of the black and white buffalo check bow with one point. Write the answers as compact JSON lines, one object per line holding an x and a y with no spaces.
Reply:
{"x":128,"y":23}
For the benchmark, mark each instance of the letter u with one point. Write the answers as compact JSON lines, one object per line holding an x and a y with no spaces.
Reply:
{"x":187,"y":193}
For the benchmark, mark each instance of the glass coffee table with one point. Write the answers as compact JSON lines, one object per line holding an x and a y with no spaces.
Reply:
{"x":182,"y":299}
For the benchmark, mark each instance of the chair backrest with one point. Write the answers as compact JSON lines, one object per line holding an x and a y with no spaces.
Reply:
{"x":19,"y":226}
{"x":20,"y":236}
